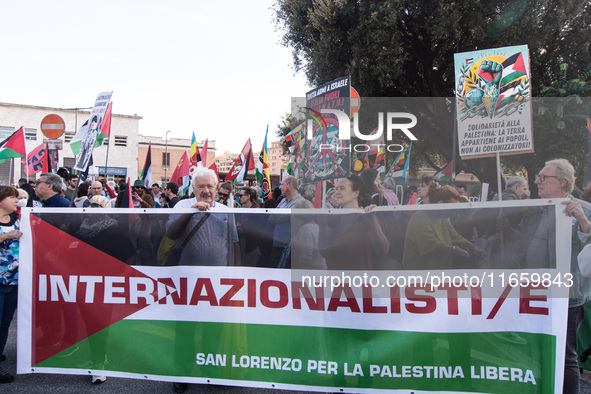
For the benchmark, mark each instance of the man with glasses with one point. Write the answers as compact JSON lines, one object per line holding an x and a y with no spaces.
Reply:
{"x":141,"y":199}
{"x":556,"y":180}
{"x":48,"y":188}
{"x":96,"y":188}
{"x":224,"y":194}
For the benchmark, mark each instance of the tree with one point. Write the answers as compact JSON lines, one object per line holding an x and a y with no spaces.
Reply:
{"x":394,"y":48}
{"x":560,"y":126}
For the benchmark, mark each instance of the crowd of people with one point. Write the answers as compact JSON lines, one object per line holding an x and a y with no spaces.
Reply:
{"x":211,"y":230}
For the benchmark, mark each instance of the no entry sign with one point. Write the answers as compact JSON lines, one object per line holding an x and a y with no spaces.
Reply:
{"x":53,"y":126}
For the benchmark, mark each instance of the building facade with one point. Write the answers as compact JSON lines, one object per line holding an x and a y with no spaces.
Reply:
{"x":277,"y":159}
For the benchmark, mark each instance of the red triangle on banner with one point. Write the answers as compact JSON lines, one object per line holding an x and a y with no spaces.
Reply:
{"x":95,"y":284}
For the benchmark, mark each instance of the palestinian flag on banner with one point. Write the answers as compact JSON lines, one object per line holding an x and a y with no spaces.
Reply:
{"x":513,"y":68}
{"x":446,"y":173}
{"x":147,"y":170}
{"x":76,"y":141}
{"x":181,"y":174}
{"x":243,"y":163}
{"x":262,"y":170}
{"x":13,"y":146}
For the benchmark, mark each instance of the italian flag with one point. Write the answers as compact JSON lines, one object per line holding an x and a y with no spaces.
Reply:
{"x":13,"y":146}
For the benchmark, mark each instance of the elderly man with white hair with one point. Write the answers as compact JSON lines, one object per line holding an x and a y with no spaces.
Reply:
{"x":216,"y":236}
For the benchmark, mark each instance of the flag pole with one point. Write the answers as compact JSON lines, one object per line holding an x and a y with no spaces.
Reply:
{"x":107,"y":158}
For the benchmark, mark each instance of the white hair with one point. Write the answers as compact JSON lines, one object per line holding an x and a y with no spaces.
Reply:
{"x":202,"y":172}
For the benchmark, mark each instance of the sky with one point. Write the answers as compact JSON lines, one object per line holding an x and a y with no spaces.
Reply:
{"x":214,"y":68}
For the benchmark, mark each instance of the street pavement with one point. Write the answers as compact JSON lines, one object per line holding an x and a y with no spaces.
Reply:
{"x":63,"y":384}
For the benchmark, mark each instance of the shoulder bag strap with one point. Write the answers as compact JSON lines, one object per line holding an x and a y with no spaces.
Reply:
{"x":197,"y":226}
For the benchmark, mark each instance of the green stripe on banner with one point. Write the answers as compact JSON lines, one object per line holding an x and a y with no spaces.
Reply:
{"x":314,"y":356}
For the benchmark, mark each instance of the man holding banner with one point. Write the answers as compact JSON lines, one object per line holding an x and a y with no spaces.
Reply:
{"x":209,"y":244}
{"x":556,"y":180}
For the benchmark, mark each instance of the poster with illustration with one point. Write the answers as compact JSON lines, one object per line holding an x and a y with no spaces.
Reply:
{"x":493,"y":102}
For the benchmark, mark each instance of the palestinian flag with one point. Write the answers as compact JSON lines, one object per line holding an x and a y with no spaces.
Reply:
{"x":105,"y":127}
{"x":96,"y":120}
{"x":147,"y":171}
{"x":446,"y":173}
{"x":513,"y":68}
{"x":262,"y":170}
{"x":76,"y":142}
{"x":13,"y":146}
{"x":243,"y":163}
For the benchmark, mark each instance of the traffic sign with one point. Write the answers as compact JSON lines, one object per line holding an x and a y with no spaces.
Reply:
{"x":53,"y":126}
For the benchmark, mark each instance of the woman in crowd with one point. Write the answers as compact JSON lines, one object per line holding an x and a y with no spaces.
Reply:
{"x":431,"y":241}
{"x":9,"y":251}
{"x":82,"y":195}
{"x":248,"y":198}
{"x":350,"y":242}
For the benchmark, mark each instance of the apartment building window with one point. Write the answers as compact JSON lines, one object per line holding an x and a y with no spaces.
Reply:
{"x":5,"y":132}
{"x":31,"y":134}
{"x":166,"y":159}
{"x":120,"y":140}
{"x":68,"y":135}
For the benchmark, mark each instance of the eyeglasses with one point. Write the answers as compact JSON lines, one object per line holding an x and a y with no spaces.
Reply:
{"x":224,"y":195}
{"x":543,"y":177}
{"x":137,"y":187}
{"x":244,"y":195}
{"x":96,"y":188}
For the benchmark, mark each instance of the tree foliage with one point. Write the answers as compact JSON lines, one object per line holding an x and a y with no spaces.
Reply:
{"x":398,"y":48}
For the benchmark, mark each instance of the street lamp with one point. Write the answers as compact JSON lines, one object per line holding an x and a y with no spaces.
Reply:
{"x":166,"y":157}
